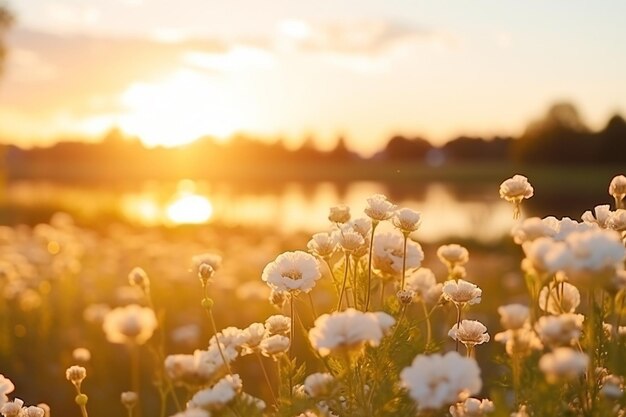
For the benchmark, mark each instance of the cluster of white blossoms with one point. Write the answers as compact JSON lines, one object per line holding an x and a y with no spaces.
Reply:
{"x":349,"y":330}
{"x":389,"y":255}
{"x":16,"y":407}
{"x":434,"y":381}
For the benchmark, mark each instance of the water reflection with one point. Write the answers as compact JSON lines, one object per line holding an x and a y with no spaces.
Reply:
{"x":477,"y":213}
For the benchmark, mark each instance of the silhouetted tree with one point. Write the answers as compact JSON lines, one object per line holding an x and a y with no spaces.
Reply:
{"x":560,"y":137}
{"x":612,"y":141}
{"x":477,"y":149}
{"x":400,"y":147}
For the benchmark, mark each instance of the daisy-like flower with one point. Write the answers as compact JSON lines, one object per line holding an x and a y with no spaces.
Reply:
{"x":349,"y":330}
{"x":407,"y":220}
{"x":253,"y":335}
{"x":520,"y":342}
{"x":388,"y":253}
{"x":349,"y":239}
{"x":274,"y":346}
{"x":405,"y":296}
{"x":323,"y":244}
{"x":561,"y":298}
{"x":617,"y":221}
{"x":200,"y":368}
{"x":514,"y":316}
{"x":470,"y":333}
{"x":561,"y":330}
{"x":292,"y":272}
{"x":219,"y":395}
{"x":362,"y":225}
{"x":339,"y":214}
{"x":278,"y":324}
{"x":379,"y":208}
{"x":461,"y":292}
{"x":472,"y":407}
{"x":617,"y":188}
{"x":531,"y":229}
{"x":540,"y":255}
{"x":76,"y":375}
{"x":129,"y":324}
{"x":6,"y":387}
{"x":319,"y":384}
{"x":12,"y":408}
{"x":453,"y":255}
{"x":434,"y":381}
{"x":590,"y":257}
{"x":230,"y":337}
{"x":32,"y":411}
{"x":563,"y":363}
{"x":423,"y":283}
{"x":514,"y":190}
{"x":212,"y":259}
{"x":601,"y":218}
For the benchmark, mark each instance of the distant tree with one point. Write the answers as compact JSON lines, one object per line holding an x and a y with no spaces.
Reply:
{"x":400,"y":147}
{"x":612,"y":141}
{"x":341,"y":152}
{"x":477,"y":149}
{"x":6,"y":19}
{"x":559,"y":137}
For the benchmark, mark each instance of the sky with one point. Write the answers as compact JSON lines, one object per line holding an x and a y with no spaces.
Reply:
{"x":171,"y":71}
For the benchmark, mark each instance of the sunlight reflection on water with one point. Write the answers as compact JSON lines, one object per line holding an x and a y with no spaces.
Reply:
{"x":447,"y":210}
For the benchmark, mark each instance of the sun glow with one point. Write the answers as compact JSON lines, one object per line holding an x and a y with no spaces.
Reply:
{"x":178,"y":110}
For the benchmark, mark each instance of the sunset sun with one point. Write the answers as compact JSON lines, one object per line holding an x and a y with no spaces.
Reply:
{"x":178,"y":109}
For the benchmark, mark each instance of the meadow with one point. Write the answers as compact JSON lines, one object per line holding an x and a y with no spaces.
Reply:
{"x":362,"y":318}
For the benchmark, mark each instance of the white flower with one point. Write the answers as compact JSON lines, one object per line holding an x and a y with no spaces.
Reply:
{"x":229,"y":337}
{"x":531,"y":229}
{"x":612,"y":387}
{"x":323,"y":244}
{"x":349,"y":239}
{"x":278,"y":324}
{"x":617,"y":221}
{"x":318,"y":384}
{"x":617,"y":188}
{"x":216,"y":397}
{"x":32,"y":411}
{"x":472,"y":407}
{"x":539,"y":255}
{"x":212,"y":259}
{"x":12,"y":408}
{"x":520,"y":342}
{"x":461,"y":292}
{"x":129,"y":324}
{"x":561,"y":298}
{"x":407,"y":220}
{"x":339,"y":214}
{"x":560,"y":330}
{"x":563,"y":363}
{"x":564,"y":227}
{"x":470,"y":333}
{"x":253,"y":334}
{"x":292,"y":271}
{"x":362,"y":226}
{"x":348,"y":330}
{"x":516,"y":189}
{"x":75,"y":374}
{"x":422,"y":281}
{"x":388,"y":252}
{"x":434,"y":381}
{"x":80,"y":355}
{"x":275,"y":345}
{"x":591,"y":255}
{"x":200,"y":368}
{"x":513,"y":316}
{"x":379,"y":208}
{"x":6,"y":387}
{"x":602,"y":216}
{"x":452,"y":255}
{"x":521,"y":412}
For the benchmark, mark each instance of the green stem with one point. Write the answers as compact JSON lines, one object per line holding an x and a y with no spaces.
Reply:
{"x":429,"y":330}
{"x":345,"y":279}
{"x":458,"y":324}
{"x":406,"y":237}
{"x":369,"y":267}
{"x":267,"y":378}
{"x":313,"y":311}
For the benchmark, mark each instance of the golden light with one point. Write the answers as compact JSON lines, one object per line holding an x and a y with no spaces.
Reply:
{"x":178,"y":110}
{"x":189,"y":209}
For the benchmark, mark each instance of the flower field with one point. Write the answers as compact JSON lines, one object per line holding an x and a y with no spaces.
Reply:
{"x":358,"y":320}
